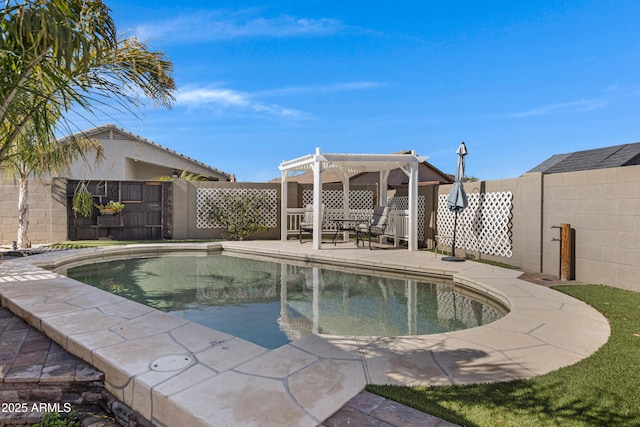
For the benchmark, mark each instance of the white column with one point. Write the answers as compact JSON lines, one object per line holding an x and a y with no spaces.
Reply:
{"x":382,"y":190}
{"x":382,"y":197}
{"x":317,"y":200}
{"x":284,"y":219}
{"x":413,"y":207}
{"x":345,"y":200}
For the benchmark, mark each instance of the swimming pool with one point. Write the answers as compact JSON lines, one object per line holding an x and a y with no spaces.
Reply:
{"x":271,"y":303}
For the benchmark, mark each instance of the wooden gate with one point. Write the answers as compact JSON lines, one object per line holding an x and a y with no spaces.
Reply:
{"x":146,"y":216}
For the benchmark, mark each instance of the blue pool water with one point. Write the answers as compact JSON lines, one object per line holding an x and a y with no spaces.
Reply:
{"x":271,"y":303}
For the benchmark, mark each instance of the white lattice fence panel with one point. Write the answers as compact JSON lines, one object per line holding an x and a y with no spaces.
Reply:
{"x":333,"y":199}
{"x":484,"y":226}
{"x":402,"y":203}
{"x":268,"y":210}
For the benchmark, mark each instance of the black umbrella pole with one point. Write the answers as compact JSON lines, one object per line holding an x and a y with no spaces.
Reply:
{"x":453,"y":256}
{"x":455,"y":227}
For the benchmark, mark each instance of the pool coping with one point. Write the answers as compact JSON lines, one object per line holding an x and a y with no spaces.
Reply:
{"x":230,"y":381}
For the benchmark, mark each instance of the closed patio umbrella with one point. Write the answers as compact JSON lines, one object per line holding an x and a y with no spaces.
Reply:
{"x":457,"y":199}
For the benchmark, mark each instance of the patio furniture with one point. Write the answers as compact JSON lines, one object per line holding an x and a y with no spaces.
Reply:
{"x":375,"y":227}
{"x":306,"y":224}
{"x":343,"y":225}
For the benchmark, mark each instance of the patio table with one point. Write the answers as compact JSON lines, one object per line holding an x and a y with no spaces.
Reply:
{"x":343,"y":225}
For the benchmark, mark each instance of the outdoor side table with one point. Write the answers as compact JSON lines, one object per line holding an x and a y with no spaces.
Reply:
{"x":343,"y":225}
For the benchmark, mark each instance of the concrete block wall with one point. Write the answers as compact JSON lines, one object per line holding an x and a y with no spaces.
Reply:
{"x":526,"y":219}
{"x":603,"y":207}
{"x":47,"y":211}
{"x":184,"y":210}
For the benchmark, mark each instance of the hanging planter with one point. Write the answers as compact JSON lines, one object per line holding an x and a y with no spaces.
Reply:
{"x":110,"y":208}
{"x":82,"y":202}
{"x":110,"y":221}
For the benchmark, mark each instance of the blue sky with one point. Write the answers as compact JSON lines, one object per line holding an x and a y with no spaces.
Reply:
{"x":262,"y":82}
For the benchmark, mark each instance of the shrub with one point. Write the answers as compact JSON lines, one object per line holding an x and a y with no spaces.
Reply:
{"x":53,"y":419}
{"x":237,"y":213}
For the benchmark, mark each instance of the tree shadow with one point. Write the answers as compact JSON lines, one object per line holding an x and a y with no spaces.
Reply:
{"x":518,"y":402}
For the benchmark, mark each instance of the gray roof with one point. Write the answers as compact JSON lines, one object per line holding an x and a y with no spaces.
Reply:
{"x":599,"y":158}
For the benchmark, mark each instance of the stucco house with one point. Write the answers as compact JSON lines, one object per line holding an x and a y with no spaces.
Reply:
{"x":128,"y":156}
{"x":129,"y":162}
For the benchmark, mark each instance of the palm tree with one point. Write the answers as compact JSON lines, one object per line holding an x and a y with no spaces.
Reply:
{"x":30,"y":156}
{"x":62,"y":55}
{"x":44,"y":47}
{"x":65,"y":54}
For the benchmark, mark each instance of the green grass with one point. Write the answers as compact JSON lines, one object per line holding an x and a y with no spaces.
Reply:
{"x":601,"y":390}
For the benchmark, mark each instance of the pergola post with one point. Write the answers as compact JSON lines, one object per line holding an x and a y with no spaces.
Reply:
{"x":317,"y":200}
{"x":284,"y":220}
{"x":382,"y":190}
{"x":411,"y":170}
{"x":346,"y":212}
{"x":413,"y":207}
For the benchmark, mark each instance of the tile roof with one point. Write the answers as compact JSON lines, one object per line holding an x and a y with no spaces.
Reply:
{"x":599,"y":158}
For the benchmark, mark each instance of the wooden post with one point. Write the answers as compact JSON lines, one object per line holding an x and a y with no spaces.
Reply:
{"x":565,"y":251}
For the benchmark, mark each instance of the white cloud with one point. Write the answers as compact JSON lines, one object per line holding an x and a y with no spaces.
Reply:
{"x":233,"y":101}
{"x":230,"y":100}
{"x":566,"y":107}
{"x":624,"y":91}
{"x":225,"y":25}
{"x":199,"y":96}
{"x":327,"y":88}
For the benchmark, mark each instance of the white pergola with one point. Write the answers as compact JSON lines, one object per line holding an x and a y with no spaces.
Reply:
{"x":348,"y":163}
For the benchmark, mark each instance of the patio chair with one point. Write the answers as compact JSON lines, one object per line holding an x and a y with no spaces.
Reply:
{"x":306,"y":225}
{"x":375,"y":227}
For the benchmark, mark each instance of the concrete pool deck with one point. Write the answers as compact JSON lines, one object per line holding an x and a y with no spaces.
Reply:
{"x":174,"y":372}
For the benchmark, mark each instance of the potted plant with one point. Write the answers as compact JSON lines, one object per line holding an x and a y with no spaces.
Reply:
{"x":110,"y":208}
{"x":82,"y":203}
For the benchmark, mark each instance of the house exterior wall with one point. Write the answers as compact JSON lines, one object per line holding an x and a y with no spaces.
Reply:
{"x":141,"y":170}
{"x":128,"y":158}
{"x":426,"y":173}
